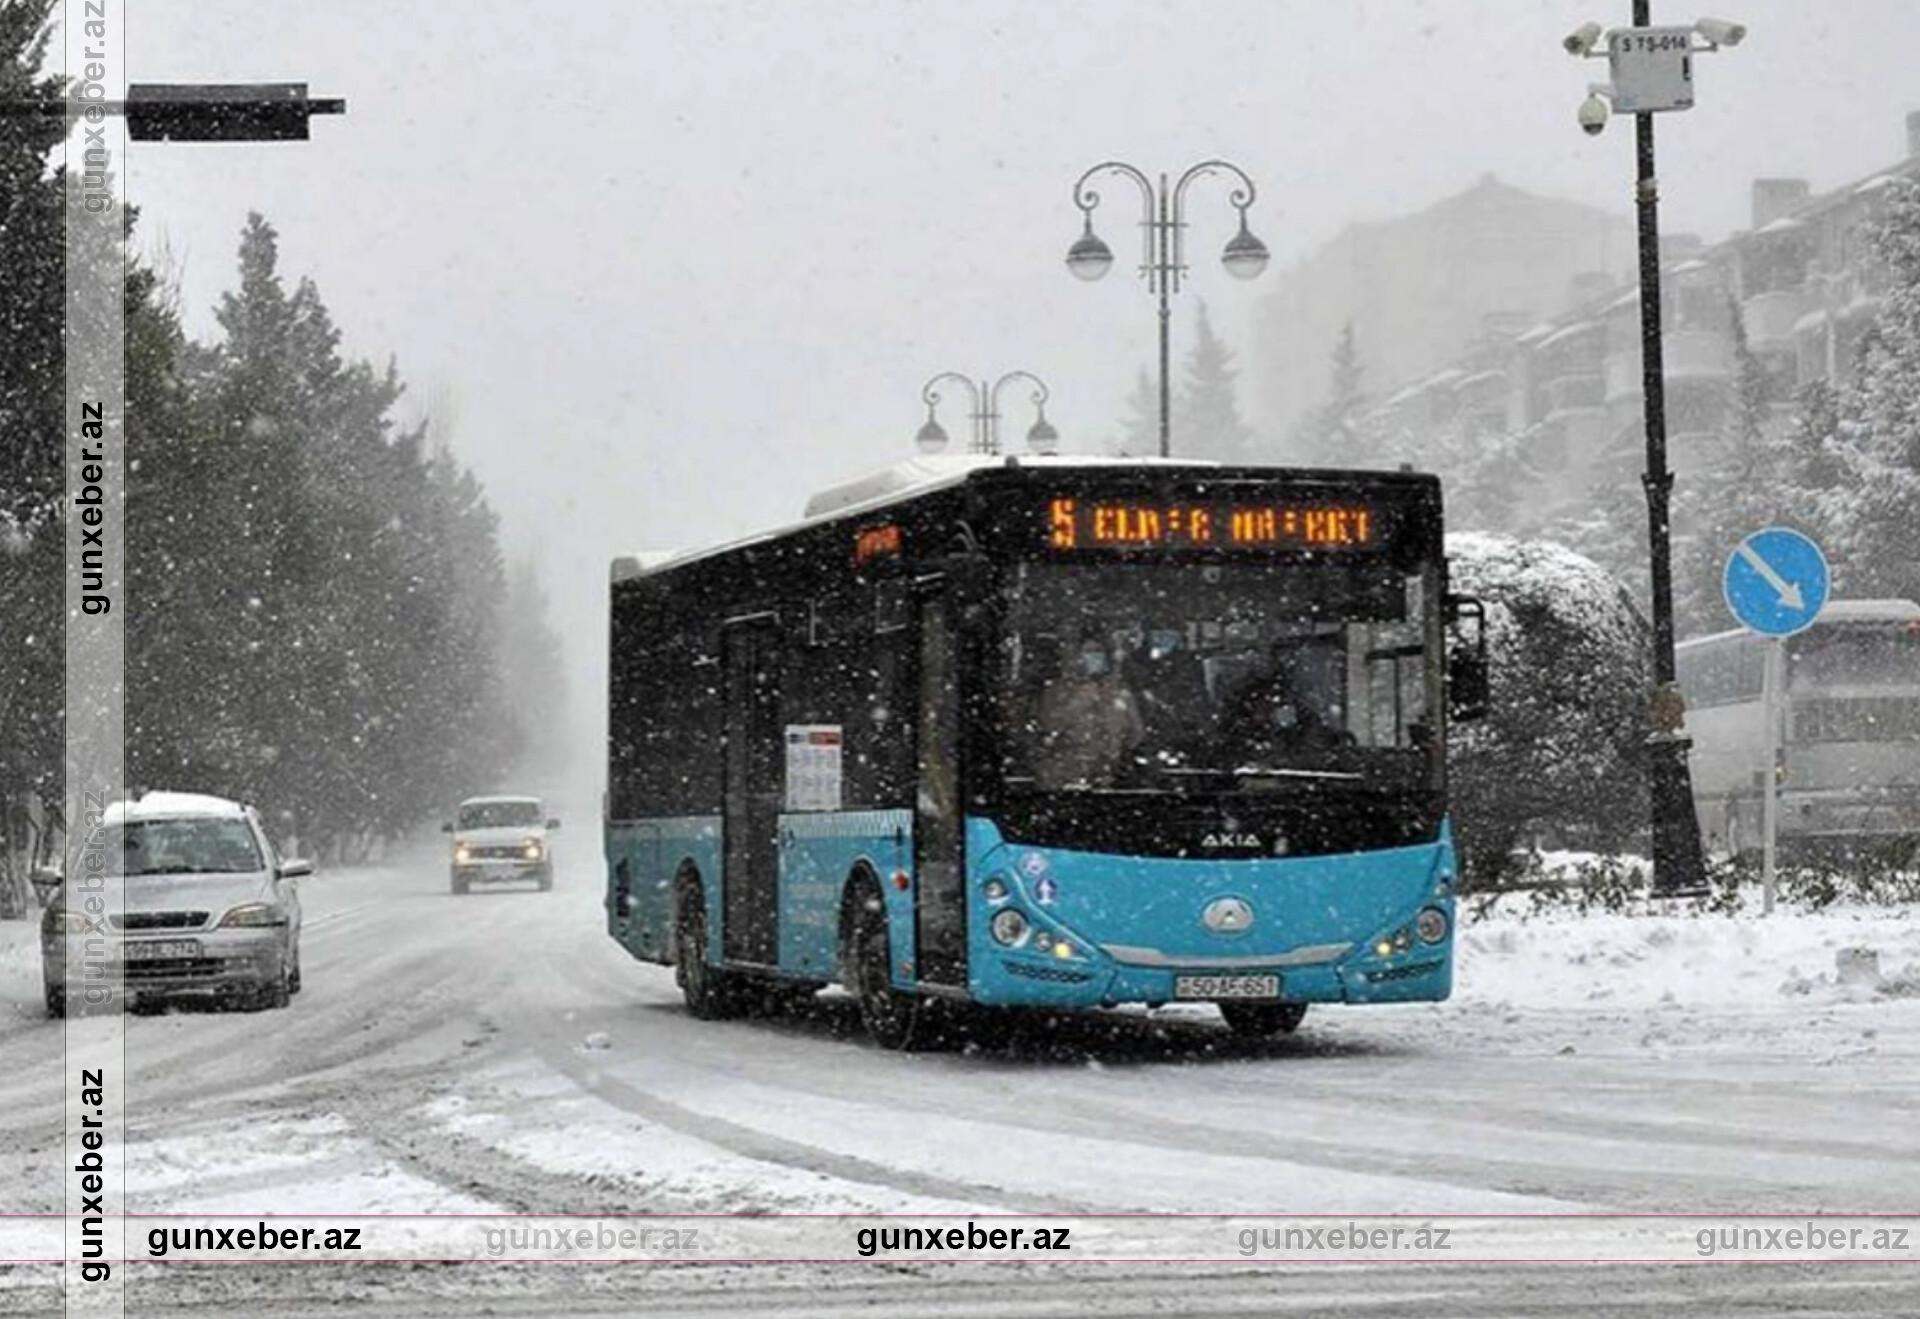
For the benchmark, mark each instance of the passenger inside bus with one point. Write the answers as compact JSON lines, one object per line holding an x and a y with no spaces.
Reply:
{"x":1088,"y":719}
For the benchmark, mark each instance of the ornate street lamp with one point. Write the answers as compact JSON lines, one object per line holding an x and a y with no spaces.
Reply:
{"x":985,"y":414}
{"x":1163,"y":261}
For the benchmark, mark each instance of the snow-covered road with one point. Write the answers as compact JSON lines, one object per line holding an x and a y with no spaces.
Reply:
{"x":498,"y":1052}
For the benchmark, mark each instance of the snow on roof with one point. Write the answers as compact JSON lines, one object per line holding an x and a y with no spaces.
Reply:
{"x":1482,"y":377}
{"x":170,"y":805}
{"x":1870,"y":611}
{"x":1785,"y":224}
{"x":1811,"y":319}
{"x":1877,"y":182}
{"x":1628,"y":299}
{"x":1539,"y":331}
{"x":904,"y":480}
{"x":1836,"y":611}
{"x":1567,"y":332}
{"x":632,"y":565}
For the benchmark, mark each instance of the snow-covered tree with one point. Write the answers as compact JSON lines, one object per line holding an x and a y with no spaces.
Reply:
{"x":1560,"y":759}
{"x":317,"y":597}
{"x":1335,"y":434}
{"x":1206,"y":414}
{"x":1872,"y":515}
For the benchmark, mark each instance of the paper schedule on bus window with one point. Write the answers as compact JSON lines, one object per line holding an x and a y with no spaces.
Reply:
{"x":813,"y":767}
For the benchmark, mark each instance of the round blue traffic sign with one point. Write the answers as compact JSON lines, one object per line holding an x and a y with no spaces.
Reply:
{"x":1776,"y":582}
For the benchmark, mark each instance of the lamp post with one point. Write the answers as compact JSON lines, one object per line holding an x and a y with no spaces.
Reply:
{"x":1163,"y":259}
{"x":1652,"y":71}
{"x":985,"y":415}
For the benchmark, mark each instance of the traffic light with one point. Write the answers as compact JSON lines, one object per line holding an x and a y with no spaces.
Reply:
{"x":222,"y":112}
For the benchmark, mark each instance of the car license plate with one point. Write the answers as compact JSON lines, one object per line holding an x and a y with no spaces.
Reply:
{"x":1226,"y":986}
{"x":154,"y":950}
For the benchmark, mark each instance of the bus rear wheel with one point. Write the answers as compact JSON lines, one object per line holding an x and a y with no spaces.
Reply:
{"x":891,"y":1018}
{"x":710,"y":992}
{"x":1259,"y":1020}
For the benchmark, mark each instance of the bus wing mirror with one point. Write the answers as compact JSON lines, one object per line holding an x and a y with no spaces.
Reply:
{"x":46,"y":882}
{"x":1469,"y":675}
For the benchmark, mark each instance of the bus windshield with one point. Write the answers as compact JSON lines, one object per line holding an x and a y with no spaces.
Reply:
{"x":1175,"y":676}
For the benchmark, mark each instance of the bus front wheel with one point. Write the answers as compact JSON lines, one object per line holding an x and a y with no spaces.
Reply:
{"x":1259,"y":1020}
{"x":891,"y":1018}
{"x":709,"y":991}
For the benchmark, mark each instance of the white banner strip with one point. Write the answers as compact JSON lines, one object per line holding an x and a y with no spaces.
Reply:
{"x":1135,"y":1238}
{"x":91,"y":980}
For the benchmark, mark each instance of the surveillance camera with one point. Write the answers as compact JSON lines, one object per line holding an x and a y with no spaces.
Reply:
{"x":1582,"y":39}
{"x":1720,"y":32}
{"x":1593,"y":114}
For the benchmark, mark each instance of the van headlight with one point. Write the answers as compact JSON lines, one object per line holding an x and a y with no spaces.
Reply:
{"x":253,"y":915}
{"x":1009,"y":927}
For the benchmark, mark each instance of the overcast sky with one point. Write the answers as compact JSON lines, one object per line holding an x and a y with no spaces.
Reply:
{"x":667,"y":266}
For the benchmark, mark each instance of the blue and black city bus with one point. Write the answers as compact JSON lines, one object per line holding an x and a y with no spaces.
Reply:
{"x":1046,"y":732}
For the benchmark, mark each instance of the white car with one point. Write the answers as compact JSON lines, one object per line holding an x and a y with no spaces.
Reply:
{"x":500,"y":838}
{"x":191,"y":900}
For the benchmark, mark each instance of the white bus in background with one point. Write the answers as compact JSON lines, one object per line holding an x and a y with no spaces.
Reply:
{"x":1849,"y":737}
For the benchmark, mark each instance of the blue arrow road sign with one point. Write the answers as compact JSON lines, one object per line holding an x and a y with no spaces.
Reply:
{"x":1776,"y":582}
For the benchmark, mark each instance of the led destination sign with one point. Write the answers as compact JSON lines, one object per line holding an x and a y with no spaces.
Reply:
{"x":1109,"y":524}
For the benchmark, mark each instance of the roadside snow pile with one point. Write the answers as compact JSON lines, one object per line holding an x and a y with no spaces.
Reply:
{"x":1571,"y":960}
{"x":1857,"y":977}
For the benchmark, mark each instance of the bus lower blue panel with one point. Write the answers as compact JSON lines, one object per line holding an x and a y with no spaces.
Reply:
{"x":1108,"y":929}
{"x":818,"y":852}
{"x":654,"y":850}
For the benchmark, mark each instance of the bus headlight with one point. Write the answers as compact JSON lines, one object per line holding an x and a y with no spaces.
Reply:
{"x":1430,"y":925}
{"x":995,"y":889}
{"x":1009,"y":927}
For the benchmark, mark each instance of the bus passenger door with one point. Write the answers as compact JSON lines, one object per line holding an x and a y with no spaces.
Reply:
{"x":751,"y":809}
{"x":940,"y":911}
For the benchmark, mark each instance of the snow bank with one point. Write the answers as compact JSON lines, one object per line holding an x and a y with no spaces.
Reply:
{"x":1567,"y":960}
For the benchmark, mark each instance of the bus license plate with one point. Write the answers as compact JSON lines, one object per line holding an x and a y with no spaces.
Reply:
{"x":161,"y":950}
{"x":1226,"y":986}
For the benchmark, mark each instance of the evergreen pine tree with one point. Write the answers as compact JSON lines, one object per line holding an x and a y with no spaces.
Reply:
{"x":1207,"y":421}
{"x":1140,"y":432}
{"x":1874,"y":513}
{"x":1334,"y":434}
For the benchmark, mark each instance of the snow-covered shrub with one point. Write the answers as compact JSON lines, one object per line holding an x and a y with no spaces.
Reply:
{"x":1560,"y":759}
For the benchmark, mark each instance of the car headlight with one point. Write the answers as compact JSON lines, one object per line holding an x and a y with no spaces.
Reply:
{"x":462,"y":853}
{"x":61,"y":921}
{"x":1009,"y":927}
{"x":531,"y":849}
{"x":253,"y":915}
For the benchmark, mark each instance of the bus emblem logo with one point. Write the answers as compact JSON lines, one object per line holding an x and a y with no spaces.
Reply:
{"x":1231,"y":839}
{"x":1227,"y":916}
